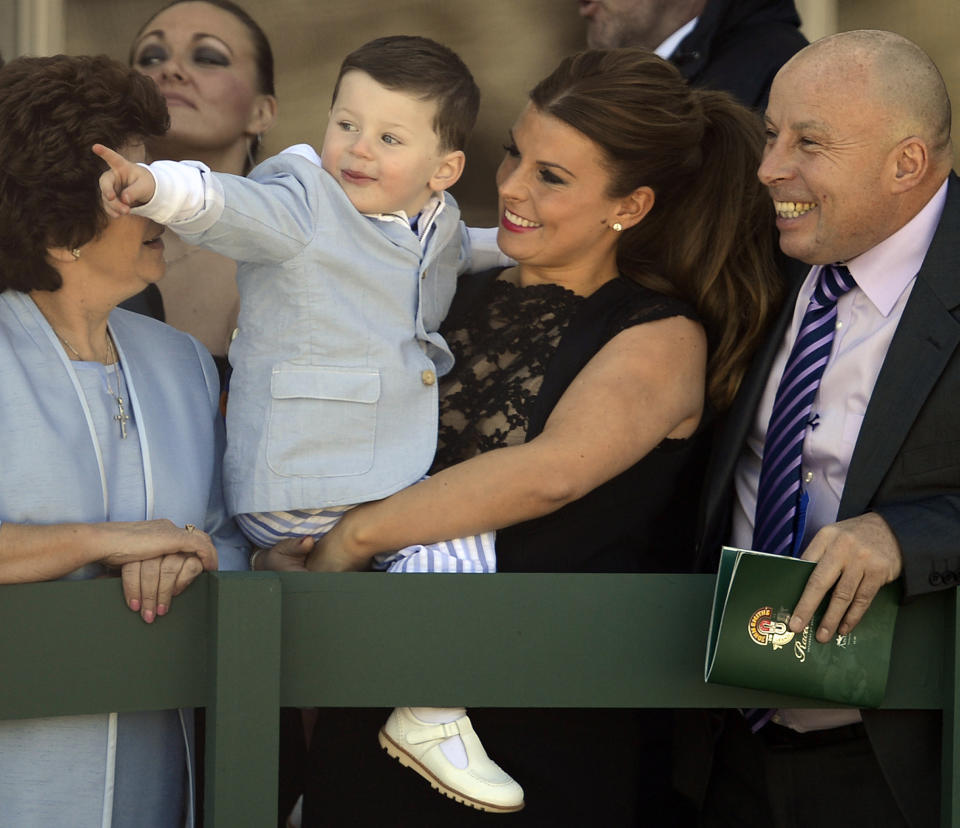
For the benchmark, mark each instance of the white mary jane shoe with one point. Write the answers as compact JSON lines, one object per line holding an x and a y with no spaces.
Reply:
{"x":482,"y":784}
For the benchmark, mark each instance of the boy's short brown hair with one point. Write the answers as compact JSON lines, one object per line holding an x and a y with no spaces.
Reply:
{"x":425,"y":69}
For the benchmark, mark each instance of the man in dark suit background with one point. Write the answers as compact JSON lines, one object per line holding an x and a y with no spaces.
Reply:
{"x":858,"y":164}
{"x":733,"y":45}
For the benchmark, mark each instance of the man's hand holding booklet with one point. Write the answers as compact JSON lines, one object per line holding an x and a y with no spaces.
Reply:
{"x":750,"y":644}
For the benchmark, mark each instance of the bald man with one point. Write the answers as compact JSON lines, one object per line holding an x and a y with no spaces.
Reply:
{"x":858,"y":166}
{"x":733,"y":45}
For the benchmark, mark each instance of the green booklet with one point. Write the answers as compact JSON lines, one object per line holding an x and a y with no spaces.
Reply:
{"x":749,"y":644}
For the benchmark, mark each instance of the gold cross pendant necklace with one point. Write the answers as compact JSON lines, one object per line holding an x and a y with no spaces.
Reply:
{"x":121,"y":415}
{"x":112,"y":359}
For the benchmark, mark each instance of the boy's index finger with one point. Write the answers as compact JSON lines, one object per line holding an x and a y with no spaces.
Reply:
{"x":114,"y":159}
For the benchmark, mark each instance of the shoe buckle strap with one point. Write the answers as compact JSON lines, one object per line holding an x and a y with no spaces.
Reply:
{"x":419,"y":735}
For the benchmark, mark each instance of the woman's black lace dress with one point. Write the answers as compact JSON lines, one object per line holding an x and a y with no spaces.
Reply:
{"x":517,"y":349}
{"x":511,"y":370}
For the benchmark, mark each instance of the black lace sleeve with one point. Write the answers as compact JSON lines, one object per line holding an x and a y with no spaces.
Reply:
{"x":502,"y":345}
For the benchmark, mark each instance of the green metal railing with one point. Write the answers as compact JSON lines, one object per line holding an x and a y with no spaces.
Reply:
{"x":243,"y":644}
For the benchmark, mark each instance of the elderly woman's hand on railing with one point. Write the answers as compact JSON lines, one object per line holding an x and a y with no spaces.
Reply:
{"x":157,"y":559}
{"x":150,"y":584}
{"x":140,"y":540}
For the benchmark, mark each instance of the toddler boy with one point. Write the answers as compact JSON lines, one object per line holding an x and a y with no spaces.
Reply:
{"x":347,"y":264}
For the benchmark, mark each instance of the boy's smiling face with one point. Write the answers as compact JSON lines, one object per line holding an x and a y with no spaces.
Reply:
{"x":381,"y":147}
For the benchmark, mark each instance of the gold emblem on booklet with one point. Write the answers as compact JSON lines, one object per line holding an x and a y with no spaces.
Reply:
{"x":766,"y":627}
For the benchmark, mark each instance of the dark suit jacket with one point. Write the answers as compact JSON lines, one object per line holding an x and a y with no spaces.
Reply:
{"x":739,"y":45}
{"x":905,"y":467}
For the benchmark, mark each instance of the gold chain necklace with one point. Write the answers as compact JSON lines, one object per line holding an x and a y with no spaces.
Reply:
{"x":112,"y":359}
{"x":66,"y":342}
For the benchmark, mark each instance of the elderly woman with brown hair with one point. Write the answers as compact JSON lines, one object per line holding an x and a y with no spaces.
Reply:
{"x":112,"y":437}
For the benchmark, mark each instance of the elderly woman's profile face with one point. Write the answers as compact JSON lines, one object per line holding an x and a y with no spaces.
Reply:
{"x":554,"y":207}
{"x":128,"y":254}
{"x":203,"y":60}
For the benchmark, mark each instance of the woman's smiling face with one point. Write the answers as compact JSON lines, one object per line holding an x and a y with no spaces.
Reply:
{"x":553,"y":184}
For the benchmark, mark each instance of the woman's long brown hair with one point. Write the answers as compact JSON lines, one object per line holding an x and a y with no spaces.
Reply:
{"x":709,"y":237}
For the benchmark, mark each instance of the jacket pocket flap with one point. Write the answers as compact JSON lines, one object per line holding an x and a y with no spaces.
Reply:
{"x":325,"y":383}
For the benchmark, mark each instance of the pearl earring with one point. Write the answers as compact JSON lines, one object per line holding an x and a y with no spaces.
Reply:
{"x":75,"y":253}
{"x":618,"y":227}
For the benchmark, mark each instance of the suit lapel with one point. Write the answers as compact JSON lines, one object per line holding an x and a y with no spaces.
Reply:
{"x":925,"y":340}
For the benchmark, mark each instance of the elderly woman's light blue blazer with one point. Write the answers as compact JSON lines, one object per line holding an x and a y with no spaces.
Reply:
{"x":52,"y":472}
{"x":52,"y":468}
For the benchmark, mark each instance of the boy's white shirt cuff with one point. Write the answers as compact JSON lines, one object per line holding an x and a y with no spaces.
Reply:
{"x":188,"y":198}
{"x":479,"y":245}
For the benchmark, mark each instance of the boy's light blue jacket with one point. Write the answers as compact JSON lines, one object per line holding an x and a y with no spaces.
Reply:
{"x":333,"y":399}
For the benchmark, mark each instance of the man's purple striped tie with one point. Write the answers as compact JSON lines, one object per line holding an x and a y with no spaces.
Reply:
{"x":778,"y":492}
{"x":779,"y":489}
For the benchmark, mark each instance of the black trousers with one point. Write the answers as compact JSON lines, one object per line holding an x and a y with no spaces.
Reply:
{"x":781,"y":779}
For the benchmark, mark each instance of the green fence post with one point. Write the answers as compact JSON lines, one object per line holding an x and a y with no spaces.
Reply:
{"x":243,"y":710}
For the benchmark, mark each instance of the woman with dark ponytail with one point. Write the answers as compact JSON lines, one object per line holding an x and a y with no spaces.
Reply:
{"x":574,"y":422}
{"x":709,"y":238}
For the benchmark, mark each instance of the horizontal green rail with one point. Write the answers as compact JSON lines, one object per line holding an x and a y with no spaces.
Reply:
{"x":243,"y":644}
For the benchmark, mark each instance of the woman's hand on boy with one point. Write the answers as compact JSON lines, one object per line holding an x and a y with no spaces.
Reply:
{"x":331,"y":553}
{"x":286,"y":556}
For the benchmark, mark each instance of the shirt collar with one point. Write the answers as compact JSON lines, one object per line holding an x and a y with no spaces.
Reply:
{"x":886,"y":269}
{"x":428,"y":215}
{"x":669,"y":46}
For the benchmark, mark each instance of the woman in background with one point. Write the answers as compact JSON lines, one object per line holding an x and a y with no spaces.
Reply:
{"x":214,"y":67}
